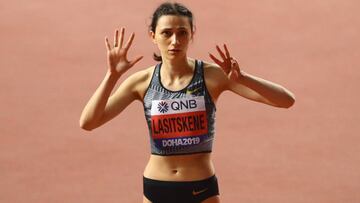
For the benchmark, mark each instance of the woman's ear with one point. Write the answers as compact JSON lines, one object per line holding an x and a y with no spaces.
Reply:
{"x":152,"y":36}
{"x":192,"y":36}
{"x":193,"y":33}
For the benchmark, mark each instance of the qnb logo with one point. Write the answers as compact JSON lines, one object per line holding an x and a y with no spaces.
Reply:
{"x":163,"y":107}
{"x":181,"y":105}
{"x":172,"y":106}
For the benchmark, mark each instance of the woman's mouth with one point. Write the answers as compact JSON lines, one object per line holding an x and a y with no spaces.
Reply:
{"x":173,"y":51}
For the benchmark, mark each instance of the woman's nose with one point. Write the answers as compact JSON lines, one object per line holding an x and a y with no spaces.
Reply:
{"x":174,"y":39}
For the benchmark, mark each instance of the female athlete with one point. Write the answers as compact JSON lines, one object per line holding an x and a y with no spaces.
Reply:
{"x":179,"y":96}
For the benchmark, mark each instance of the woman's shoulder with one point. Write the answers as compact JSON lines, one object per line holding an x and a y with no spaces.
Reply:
{"x":208,"y":65}
{"x":141,"y":76}
{"x":212,"y":70}
{"x":140,"y":80}
{"x":215,"y":79}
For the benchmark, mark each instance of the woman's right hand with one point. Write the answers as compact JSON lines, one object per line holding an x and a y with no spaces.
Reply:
{"x":117,"y":56}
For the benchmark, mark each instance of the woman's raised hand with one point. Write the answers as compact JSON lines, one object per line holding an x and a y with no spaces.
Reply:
{"x":229,"y":65}
{"x":117,"y":55}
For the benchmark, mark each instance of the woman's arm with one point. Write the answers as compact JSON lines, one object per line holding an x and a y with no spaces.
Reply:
{"x":261,"y":90}
{"x":94,"y":109}
{"x":99,"y":110}
{"x":249,"y":86}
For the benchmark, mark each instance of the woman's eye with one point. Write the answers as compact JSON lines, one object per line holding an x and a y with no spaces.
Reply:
{"x":183,"y":32}
{"x":166,"y":33}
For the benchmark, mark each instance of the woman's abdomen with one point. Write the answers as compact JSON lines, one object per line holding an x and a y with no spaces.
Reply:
{"x":180,"y":167}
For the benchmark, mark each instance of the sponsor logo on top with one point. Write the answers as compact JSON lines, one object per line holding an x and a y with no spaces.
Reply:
{"x":175,"y":106}
{"x":163,"y":107}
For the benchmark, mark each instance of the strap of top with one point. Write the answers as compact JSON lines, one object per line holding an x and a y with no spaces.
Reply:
{"x":196,"y":78}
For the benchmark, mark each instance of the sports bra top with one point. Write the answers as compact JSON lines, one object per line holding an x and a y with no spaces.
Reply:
{"x":180,"y":122}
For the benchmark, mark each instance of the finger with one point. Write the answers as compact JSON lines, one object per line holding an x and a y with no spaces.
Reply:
{"x":122,"y":37}
{"x":217,"y":61}
{"x":236,"y":68}
{"x":129,"y":42}
{"x":135,"y":60}
{"x":239,"y":73}
{"x":116,"y":37}
{"x":227,"y":51}
{"x":235,"y":63}
{"x":236,"y":73}
{"x":107,"y":44}
{"x":221,"y":53}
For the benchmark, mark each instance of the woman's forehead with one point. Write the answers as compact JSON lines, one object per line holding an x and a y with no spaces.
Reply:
{"x":173,"y":21}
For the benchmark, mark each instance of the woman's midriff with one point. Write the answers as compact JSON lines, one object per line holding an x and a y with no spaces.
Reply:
{"x":180,"y":167}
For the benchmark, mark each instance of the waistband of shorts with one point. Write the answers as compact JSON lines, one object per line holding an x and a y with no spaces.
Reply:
{"x":149,"y":180}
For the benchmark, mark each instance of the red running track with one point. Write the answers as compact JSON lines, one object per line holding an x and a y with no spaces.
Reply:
{"x":53,"y":58}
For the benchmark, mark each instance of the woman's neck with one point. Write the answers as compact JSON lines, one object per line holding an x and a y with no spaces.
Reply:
{"x":175,"y":69}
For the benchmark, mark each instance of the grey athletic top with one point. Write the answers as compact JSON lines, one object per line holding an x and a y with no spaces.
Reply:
{"x":180,"y":122}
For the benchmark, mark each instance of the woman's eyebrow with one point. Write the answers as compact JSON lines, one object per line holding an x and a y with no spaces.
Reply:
{"x":163,"y":29}
{"x":169,"y":28}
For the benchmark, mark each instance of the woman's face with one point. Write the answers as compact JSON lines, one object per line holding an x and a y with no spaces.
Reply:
{"x":172,"y":36}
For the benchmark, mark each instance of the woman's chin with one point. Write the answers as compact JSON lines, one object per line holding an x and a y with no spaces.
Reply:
{"x":175,"y":55}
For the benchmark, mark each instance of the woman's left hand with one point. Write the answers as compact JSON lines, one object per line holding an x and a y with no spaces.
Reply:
{"x":229,"y":65}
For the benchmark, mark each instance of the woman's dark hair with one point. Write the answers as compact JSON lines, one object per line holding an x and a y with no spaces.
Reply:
{"x":169,"y":9}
